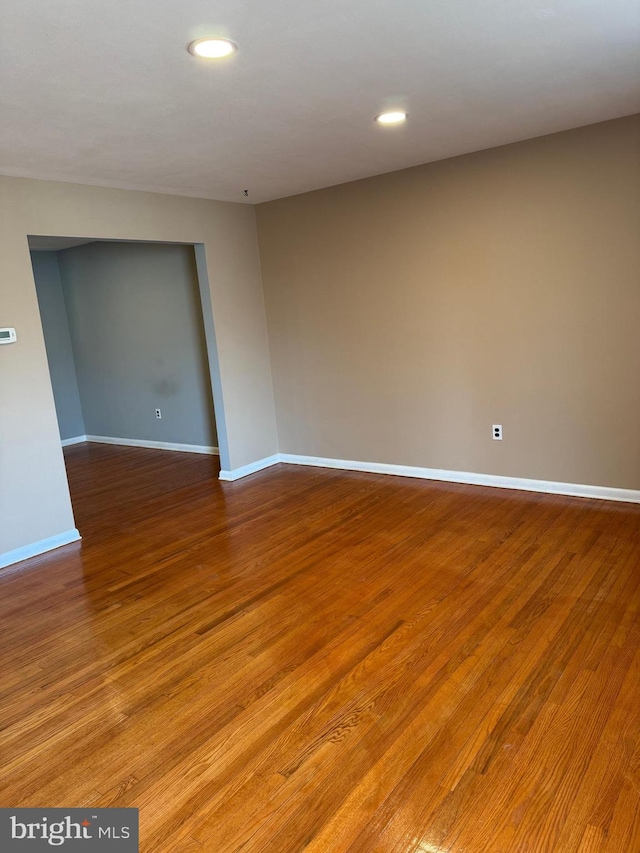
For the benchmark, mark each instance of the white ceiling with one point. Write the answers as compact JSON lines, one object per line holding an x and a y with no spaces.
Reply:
{"x":105,"y":92}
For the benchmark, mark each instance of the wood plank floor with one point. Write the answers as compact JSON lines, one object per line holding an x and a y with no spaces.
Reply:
{"x":328,"y":661}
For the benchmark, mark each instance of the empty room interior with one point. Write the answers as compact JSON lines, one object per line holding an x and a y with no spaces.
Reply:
{"x":124,"y":336}
{"x":320,"y":426}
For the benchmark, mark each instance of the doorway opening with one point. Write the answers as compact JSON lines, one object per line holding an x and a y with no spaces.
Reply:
{"x":130,"y":342}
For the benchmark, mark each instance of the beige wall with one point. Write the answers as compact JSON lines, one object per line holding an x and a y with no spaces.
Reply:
{"x":34,"y":500}
{"x":409,"y":312}
{"x":406,"y":314}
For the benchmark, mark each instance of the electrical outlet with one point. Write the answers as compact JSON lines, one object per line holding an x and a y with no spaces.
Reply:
{"x":497,"y":432}
{"x":158,"y":413}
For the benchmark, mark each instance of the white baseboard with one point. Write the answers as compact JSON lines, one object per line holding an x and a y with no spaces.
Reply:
{"x":519,"y":483}
{"x":237,"y":473}
{"x":551,"y":487}
{"x":78,"y":439}
{"x":154,"y":445}
{"x":41,"y":547}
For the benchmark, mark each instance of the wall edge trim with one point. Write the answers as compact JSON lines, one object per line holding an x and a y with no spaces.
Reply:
{"x":77,"y":439}
{"x":153,"y":445}
{"x":469,"y":478}
{"x":251,"y":468}
{"x":41,"y":547}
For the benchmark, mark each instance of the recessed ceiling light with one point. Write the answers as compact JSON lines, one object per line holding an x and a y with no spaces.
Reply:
{"x":212,"y":48}
{"x":393,"y":117}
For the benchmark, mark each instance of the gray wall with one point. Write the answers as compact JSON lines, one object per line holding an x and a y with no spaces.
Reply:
{"x":136,"y":326}
{"x":58,"y":342}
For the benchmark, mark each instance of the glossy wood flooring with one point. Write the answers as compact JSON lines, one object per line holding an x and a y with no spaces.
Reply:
{"x":329,"y":662}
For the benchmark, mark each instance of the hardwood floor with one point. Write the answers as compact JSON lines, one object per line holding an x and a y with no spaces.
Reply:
{"x":328,"y":661}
